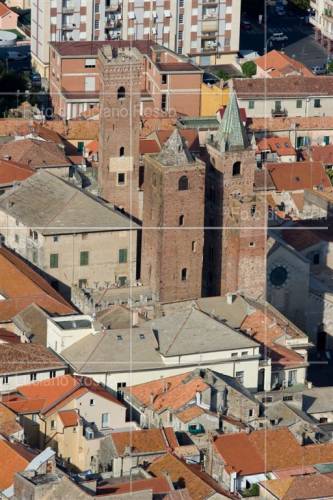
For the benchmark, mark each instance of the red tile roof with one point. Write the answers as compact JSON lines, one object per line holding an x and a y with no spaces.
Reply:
{"x":144,"y":441}
{"x":21,"y":286}
{"x":8,"y":422}
{"x":296,"y":176}
{"x":4,"y":10}
{"x":11,"y":172}
{"x":149,"y":146}
{"x":265,"y":451}
{"x":69,"y":418}
{"x":13,"y":458}
{"x":24,"y":357}
{"x":86,"y":49}
{"x":190,"y":413}
{"x":158,"y":485}
{"x":92,"y":146}
{"x":35,"y":153}
{"x":322,"y":153}
{"x":293,"y":86}
{"x":306,"y":487}
{"x":9,"y":337}
{"x":279,"y":64}
{"x":280,"y":145}
{"x":190,"y":135}
{"x":52,"y":394}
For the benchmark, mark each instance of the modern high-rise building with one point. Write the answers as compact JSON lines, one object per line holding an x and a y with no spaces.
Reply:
{"x":202,"y":29}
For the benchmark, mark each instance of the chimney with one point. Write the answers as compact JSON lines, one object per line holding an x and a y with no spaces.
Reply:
{"x":230,"y":298}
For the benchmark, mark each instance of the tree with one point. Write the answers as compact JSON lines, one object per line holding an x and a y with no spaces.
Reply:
{"x":222,"y":74}
{"x":302,"y":4}
{"x":249,"y":69}
{"x":330,"y":67}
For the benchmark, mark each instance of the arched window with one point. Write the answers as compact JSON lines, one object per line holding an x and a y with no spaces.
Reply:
{"x":122,"y":151}
{"x":121,"y":93}
{"x":183,"y":183}
{"x":184,"y":274}
{"x":236,"y":168}
{"x":181,"y":220}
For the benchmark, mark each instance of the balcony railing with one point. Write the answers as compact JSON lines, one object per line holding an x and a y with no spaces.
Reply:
{"x":279,"y":112}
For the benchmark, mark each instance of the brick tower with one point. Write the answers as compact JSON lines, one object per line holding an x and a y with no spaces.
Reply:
{"x":173,"y":222}
{"x":118,"y":176}
{"x":242,"y":216}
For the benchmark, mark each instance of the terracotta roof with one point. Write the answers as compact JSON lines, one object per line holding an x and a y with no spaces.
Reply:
{"x":265,"y":450}
{"x":306,"y":487}
{"x":86,"y":49}
{"x":293,"y":86}
{"x":13,"y":458}
{"x":8,"y":423}
{"x":158,"y":485}
{"x":322,"y":153}
{"x":296,"y":176}
{"x":180,"y":473}
{"x":4,"y":10}
{"x":171,"y":392}
{"x":262,"y":328}
{"x":69,"y":418}
{"x":142,"y":441}
{"x":280,"y":124}
{"x":190,"y":413}
{"x":35,"y":153}
{"x":183,"y":67}
{"x":21,"y":286}
{"x":92,"y":146}
{"x":279,"y":145}
{"x":52,"y":394}
{"x":149,"y":146}
{"x":24,"y":357}
{"x":278,"y":64}
{"x":9,"y":337}
{"x":300,"y":240}
{"x":11,"y":172}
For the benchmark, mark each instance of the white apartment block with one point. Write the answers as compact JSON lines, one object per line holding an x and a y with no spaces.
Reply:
{"x":322,"y":20}
{"x":202,"y":29}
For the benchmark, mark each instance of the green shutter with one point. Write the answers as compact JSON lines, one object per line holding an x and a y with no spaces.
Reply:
{"x":54,"y":260}
{"x":122,"y":255}
{"x":84,"y":258}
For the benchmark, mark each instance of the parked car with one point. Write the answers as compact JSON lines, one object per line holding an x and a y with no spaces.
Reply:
{"x":319,"y":70}
{"x":196,"y":429}
{"x":279,"y":37}
{"x":246,"y":25}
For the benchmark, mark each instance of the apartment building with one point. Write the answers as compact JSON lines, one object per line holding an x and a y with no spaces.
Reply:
{"x":202,"y":29}
{"x":168,"y":82}
{"x":322,"y":20}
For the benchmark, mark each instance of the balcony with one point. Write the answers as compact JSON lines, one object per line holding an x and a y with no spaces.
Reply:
{"x":113,"y":7}
{"x":279,"y":112}
{"x":209,"y":26}
{"x":68,"y":27}
{"x":68,"y":9}
{"x":210,"y":2}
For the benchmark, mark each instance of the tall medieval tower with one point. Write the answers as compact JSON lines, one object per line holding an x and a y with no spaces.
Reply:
{"x":173,"y":222}
{"x":242,"y":216}
{"x":118,"y":178}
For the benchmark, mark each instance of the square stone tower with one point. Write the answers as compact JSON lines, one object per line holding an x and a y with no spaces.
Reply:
{"x":173,"y":222}
{"x":243,"y":213}
{"x":118,"y":178}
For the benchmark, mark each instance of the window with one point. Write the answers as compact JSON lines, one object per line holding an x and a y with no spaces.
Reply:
{"x":245,"y":353}
{"x":181,"y":3}
{"x":122,"y":280}
{"x":278,"y":276}
{"x":326,"y":140}
{"x":183,"y":183}
{"x":34,"y":256}
{"x":80,"y":146}
{"x":55,"y":238}
{"x":122,"y":256}
{"x":54,"y":260}
{"x":121,"y":93}
{"x":267,"y":399}
{"x":5,"y":379}
{"x":52,"y":374}
{"x":253,"y":210}
{"x":121,"y":179}
{"x":34,"y":417}
{"x":316,"y":259}
{"x":181,"y":18}
{"x":181,"y":220}
{"x":53,"y":425}
{"x":234,"y":354}
{"x":236,"y":168}
{"x":90,"y":63}
{"x":33,"y":376}
{"x":105,"y":420}
{"x":92,"y":402}
{"x":84,"y":258}
{"x":299,"y":103}
{"x":251,"y":104}
{"x":180,"y":35}
{"x":96,"y":8}
{"x":96,"y":24}
{"x":287,"y":398}
{"x":90,"y":84}
{"x":194,"y":246}
{"x":278,"y":106}
{"x":240,"y":377}
{"x":250,"y":413}
{"x":163,"y":102}
{"x":317,"y":103}
{"x":184,"y":274}
{"x":17,"y":238}
{"x":121,"y":151}
{"x":323,"y":420}
{"x":83,"y":283}
{"x":164,"y":79}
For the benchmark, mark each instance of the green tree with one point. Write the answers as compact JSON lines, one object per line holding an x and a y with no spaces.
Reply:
{"x":222,"y":74}
{"x":10,"y":83}
{"x":249,"y":69}
{"x":301,"y":4}
{"x":330,"y":67}
{"x":329,"y":172}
